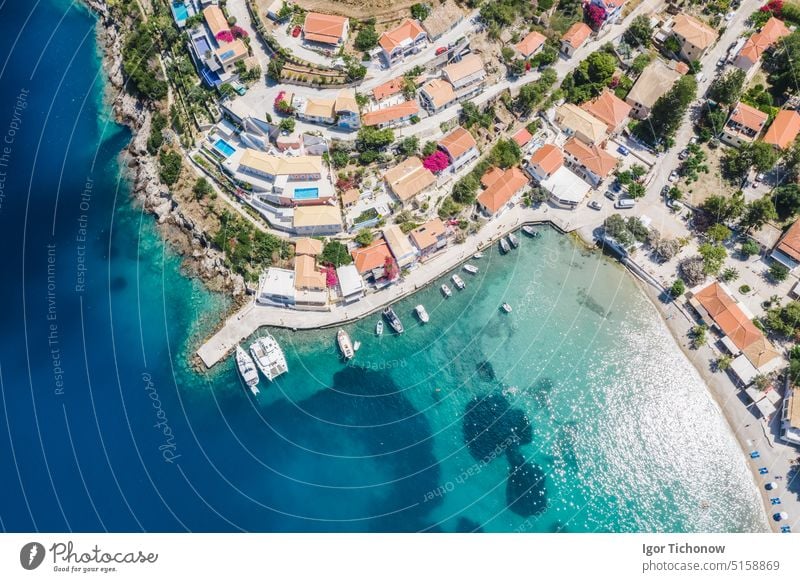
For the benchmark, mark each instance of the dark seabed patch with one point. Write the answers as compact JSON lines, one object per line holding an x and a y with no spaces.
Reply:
{"x":486,"y":371}
{"x":492,"y":426}
{"x":465,"y":525}
{"x":541,"y":391}
{"x":526,"y":490}
{"x":587,"y":301}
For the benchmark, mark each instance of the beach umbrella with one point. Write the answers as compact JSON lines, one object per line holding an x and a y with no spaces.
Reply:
{"x":780,"y":516}
{"x":770,"y":486}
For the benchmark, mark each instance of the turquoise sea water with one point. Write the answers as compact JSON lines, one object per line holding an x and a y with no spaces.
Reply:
{"x":580,"y":392}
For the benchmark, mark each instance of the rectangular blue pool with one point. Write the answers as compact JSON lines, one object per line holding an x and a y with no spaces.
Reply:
{"x":306,"y":193}
{"x":224,"y":148}
{"x":180,"y":12}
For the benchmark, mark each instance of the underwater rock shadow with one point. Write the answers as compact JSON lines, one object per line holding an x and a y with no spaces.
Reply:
{"x":526,"y":489}
{"x":492,"y":426}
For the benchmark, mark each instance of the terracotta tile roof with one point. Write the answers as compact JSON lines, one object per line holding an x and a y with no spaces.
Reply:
{"x":789,"y":244}
{"x":727,"y":314}
{"x":784,"y":129}
{"x":326,"y":28}
{"x":548,"y":157}
{"x":578,"y":121}
{"x":458,"y":142}
{"x":306,"y":275}
{"x":428,"y":234}
{"x":577,"y":34}
{"x":319,"y":215}
{"x":469,"y":65}
{"x":402,"y":249}
{"x":502,"y":189}
{"x":522,"y":137}
{"x":405,"y":32}
{"x":215,"y":19}
{"x":346,"y":101}
{"x":769,"y":34}
{"x":531,"y":43}
{"x":608,"y":108}
{"x":490,"y":176}
{"x":308,"y":246}
{"x":409,"y":178}
{"x":656,"y":79}
{"x":232,"y":51}
{"x":760,"y":352}
{"x":749,"y":117}
{"x":389,"y":88}
{"x":388,"y":114}
{"x":351,"y":196}
{"x":439,"y":92}
{"x":371,"y":257}
{"x":695,"y":32}
{"x":315,"y":107}
{"x":594,"y":158}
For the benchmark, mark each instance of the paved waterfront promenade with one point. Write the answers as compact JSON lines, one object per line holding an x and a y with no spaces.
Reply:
{"x":252,"y":316}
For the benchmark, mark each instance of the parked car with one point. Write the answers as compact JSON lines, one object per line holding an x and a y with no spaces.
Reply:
{"x":693,"y":140}
{"x":721,"y":62}
{"x":610,"y":195}
{"x":625,"y":203}
{"x":440,"y":50}
{"x":673,"y":176}
{"x":595,"y":204}
{"x":759,"y":177}
{"x":665,"y":190}
{"x":684,"y":154}
{"x":699,"y":77}
{"x":616,"y":186}
{"x":296,"y":31}
{"x":623,"y":150}
{"x":729,"y":16}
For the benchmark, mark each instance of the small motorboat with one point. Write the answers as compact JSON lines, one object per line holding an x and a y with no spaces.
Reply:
{"x":422,"y":314}
{"x":446,"y":290}
{"x":356,"y":345}
{"x":379,"y":328}
{"x":513,"y":240}
{"x":247,"y":368}
{"x":506,"y":307}
{"x":504,"y":248}
{"x":345,"y":345}
{"x":530,"y":231}
{"x":458,"y":282}
{"x":471,"y":269}
{"x":478,"y":255}
{"x":393,"y":320}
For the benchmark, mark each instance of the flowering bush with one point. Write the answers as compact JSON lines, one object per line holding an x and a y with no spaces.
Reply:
{"x":331,"y":280}
{"x":773,"y":6}
{"x":390,"y":268}
{"x":436,"y":162}
{"x":238,"y":32}
{"x":595,"y":15}
{"x":225,"y":36}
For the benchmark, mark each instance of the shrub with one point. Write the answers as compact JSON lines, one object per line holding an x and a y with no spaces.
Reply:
{"x":678,"y":288}
{"x":436,"y":162}
{"x":750,"y":247}
{"x":778,"y":272}
{"x":744,"y":289}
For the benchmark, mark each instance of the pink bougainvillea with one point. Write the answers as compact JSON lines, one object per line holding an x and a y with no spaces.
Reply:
{"x":390,"y":268}
{"x":774,"y":6}
{"x":595,"y":15}
{"x":225,"y":36}
{"x":331,"y":280}
{"x":437,"y":161}
{"x":238,"y":32}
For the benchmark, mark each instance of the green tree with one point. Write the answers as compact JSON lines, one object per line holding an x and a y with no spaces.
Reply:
{"x":678,"y":288}
{"x":201,"y":188}
{"x":287,"y":124}
{"x":373,"y":139}
{"x":639,"y":33}
{"x":757,"y":214}
{"x":335,"y":253}
{"x":420,"y":11}
{"x":639,"y":63}
{"x":367,"y":38}
{"x":505,"y":153}
{"x":718,"y":233}
{"x":723,"y":209}
{"x":727,"y":88}
{"x":466,"y":189}
{"x":170,"y":165}
{"x":636,"y":190}
{"x":408,"y":146}
{"x":787,"y":200}
{"x":781,"y":64}
{"x":698,"y":336}
{"x":778,"y":272}
{"x":749,"y":248}
{"x":364,"y":237}
{"x":429,"y":148}
{"x":713,"y":257}
{"x":668,"y":111}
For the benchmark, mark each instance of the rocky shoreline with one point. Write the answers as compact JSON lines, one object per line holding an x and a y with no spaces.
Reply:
{"x":182,"y":232}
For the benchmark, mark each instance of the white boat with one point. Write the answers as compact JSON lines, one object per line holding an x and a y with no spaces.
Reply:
{"x":356,"y":345}
{"x":506,"y":307}
{"x":513,"y":240}
{"x":269,"y":357}
{"x":530,"y":231}
{"x":478,"y":255}
{"x":504,"y":248}
{"x":393,"y":320}
{"x":422,"y":314}
{"x":471,"y":269}
{"x":458,"y":282}
{"x":247,"y":369}
{"x":446,"y":290}
{"x":379,"y":328}
{"x":345,"y":345}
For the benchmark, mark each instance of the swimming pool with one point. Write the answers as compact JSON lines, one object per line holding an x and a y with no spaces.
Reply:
{"x":224,"y":148}
{"x":180,"y":12}
{"x":306,"y":193}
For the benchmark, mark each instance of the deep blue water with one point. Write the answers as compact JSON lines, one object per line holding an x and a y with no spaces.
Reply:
{"x":105,"y":427}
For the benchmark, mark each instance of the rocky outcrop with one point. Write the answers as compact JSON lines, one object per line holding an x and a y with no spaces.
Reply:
{"x":182,"y":232}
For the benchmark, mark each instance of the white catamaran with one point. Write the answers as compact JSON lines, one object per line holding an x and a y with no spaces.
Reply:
{"x":269,"y":357}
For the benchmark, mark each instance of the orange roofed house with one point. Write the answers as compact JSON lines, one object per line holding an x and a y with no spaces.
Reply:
{"x":744,"y":125}
{"x":501,"y":186}
{"x":740,"y":336}
{"x":694,"y":36}
{"x":388,"y":89}
{"x":429,"y":237}
{"x":544,"y":162}
{"x":371,"y":261}
{"x":609,"y":109}
{"x":408,"y":179}
{"x":325,"y":28}
{"x":590,"y":162}
{"x":530,"y":45}
{"x":783,"y":130}
{"x":787,"y":251}
{"x":391,"y":116}
{"x":406,"y":38}
{"x":755,"y":46}
{"x":460,"y":147}
{"x":574,"y":38}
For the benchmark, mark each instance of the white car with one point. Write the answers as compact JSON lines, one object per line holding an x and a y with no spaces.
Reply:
{"x":595,"y":204}
{"x":673,"y":176}
{"x":728,"y":16}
